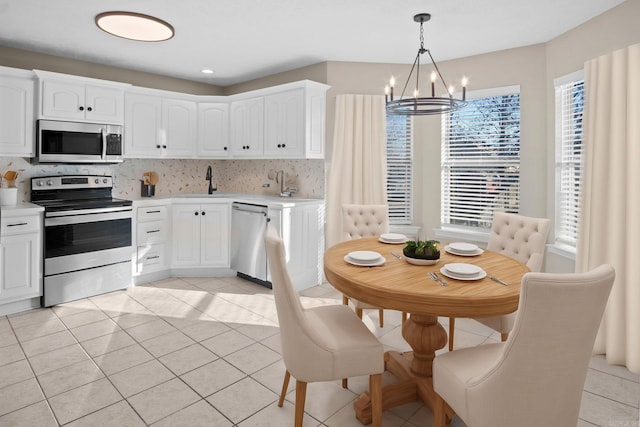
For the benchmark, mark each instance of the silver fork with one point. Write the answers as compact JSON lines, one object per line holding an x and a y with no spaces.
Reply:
{"x":437,"y":278}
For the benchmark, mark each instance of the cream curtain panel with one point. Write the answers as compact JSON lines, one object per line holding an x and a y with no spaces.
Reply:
{"x":609,"y":229}
{"x":358,"y":170}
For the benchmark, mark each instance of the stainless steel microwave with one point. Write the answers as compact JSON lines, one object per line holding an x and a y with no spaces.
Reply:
{"x":73,"y":142}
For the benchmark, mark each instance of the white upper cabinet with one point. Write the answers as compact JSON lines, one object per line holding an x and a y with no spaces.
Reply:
{"x":247,"y":127}
{"x":16,"y":113}
{"x":78,"y":99}
{"x":213,"y":129}
{"x":159,"y":127}
{"x":284,"y":124}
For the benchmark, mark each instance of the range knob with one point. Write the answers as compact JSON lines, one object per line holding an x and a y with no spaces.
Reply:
{"x":39,"y":183}
{"x":49,"y":182}
{"x":104,"y":180}
{"x":97,"y":180}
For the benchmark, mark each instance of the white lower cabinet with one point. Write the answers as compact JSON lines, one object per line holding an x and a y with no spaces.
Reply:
{"x":20,"y":258}
{"x":200,"y":236}
{"x":152,"y":235}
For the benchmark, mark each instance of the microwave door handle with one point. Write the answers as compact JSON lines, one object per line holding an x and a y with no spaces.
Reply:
{"x":104,"y":143}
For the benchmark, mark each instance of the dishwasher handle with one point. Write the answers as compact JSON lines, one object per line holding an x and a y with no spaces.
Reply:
{"x":249,"y":208}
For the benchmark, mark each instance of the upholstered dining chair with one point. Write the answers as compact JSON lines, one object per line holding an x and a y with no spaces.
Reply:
{"x":364,"y":221}
{"x":323,"y":343}
{"x":535,"y":378}
{"x":522,"y":238}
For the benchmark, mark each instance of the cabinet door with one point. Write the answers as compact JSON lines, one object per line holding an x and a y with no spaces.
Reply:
{"x":179,"y":127}
{"x":186,"y":235}
{"x":215,"y":235}
{"x":16,"y":116}
{"x":284,"y":124}
{"x":141,"y":126}
{"x":20,"y":272}
{"x":104,"y":104}
{"x":61,"y":100}
{"x":213,"y":130}
{"x":247,"y":131}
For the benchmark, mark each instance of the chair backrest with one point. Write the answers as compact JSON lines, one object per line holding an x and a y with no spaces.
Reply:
{"x":364,"y":220}
{"x":302,"y":346}
{"x":520,"y":237}
{"x":539,"y":378}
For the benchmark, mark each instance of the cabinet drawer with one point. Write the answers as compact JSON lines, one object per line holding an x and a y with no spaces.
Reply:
{"x":151,"y":232}
{"x":19,"y":225}
{"x":151,"y":213}
{"x":151,"y":258}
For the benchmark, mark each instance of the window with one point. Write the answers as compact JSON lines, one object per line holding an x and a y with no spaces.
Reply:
{"x":481,"y":159}
{"x":399,"y":169}
{"x":569,"y":107}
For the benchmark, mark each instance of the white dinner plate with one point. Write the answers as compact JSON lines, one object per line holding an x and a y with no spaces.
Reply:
{"x":478,"y":251}
{"x":393,"y":237}
{"x":393,"y":242}
{"x":481,"y":275}
{"x":462,"y":269}
{"x":364,"y":256}
{"x":375,"y":263}
{"x":463,"y":248}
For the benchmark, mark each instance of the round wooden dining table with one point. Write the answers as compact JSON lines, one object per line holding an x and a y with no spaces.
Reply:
{"x":398,"y":285}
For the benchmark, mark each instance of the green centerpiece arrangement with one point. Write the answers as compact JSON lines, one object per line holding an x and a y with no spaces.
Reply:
{"x":422,"y":252}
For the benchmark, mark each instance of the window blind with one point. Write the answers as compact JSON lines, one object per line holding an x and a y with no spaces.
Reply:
{"x":481,"y":161}
{"x":399,"y":169}
{"x":569,"y":108}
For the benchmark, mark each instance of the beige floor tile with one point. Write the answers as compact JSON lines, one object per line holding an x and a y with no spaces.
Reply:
{"x":73,"y":307}
{"x":203,"y":329}
{"x":163,"y":400}
{"x":5,"y":326}
{"x":56,"y":359}
{"x":126,"y":321}
{"x":613,"y":387}
{"x":20,"y":395}
{"x":187,"y":359}
{"x":200,"y":414}
{"x":258,"y":332}
{"x":346,"y":417}
{"x":84,"y":400}
{"x":122,"y":359}
{"x":274,"y":343}
{"x":600,"y":363}
{"x":253,"y":358}
{"x":83,"y":318}
{"x":212,"y":377}
{"x":272,"y":377}
{"x":227,"y":343}
{"x":274,"y":416}
{"x":48,"y":343}
{"x":606,"y":412}
{"x":95,"y":330}
{"x":107,"y":343}
{"x":255,"y":397}
{"x":35,"y":330}
{"x":324,"y":399}
{"x":36,"y":415}
{"x":38,"y":316}
{"x":69,"y":377}
{"x":15,"y":372}
{"x":141,"y":377}
{"x":11,"y":353}
{"x":116,"y":415}
{"x":167,"y":343}
{"x":7,"y":337}
{"x":150,"y":330}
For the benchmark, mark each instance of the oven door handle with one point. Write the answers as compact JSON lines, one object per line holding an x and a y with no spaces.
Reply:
{"x":93,"y":217}
{"x":77,"y":212}
{"x":104,"y":143}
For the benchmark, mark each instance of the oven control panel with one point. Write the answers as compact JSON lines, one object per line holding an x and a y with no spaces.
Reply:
{"x":71,"y":182}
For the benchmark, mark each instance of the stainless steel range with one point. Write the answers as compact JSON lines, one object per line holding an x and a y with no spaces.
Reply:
{"x":87,"y":237}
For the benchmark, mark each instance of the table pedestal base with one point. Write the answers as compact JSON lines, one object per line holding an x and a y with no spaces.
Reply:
{"x":413,"y":369}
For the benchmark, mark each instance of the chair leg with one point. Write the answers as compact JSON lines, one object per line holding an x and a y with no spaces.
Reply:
{"x":405,"y":316}
{"x":345,"y":383}
{"x":301,"y":394}
{"x":345,"y":300}
{"x":381,"y":313}
{"x":359,"y":313}
{"x":452,"y":328}
{"x":285,"y":385}
{"x":375,"y":391}
{"x":504,"y":336}
{"x":439,"y":416}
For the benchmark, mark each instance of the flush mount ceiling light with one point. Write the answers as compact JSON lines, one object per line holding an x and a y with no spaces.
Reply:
{"x":135,"y":26}
{"x":423,"y":105}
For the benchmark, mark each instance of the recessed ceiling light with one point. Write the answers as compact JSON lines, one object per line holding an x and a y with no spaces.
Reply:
{"x":207,"y":71}
{"x":135,"y":26}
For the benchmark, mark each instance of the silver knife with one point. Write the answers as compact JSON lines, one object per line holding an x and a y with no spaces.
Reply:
{"x":495,"y":279}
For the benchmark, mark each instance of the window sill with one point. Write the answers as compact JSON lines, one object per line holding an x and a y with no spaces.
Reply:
{"x":564,"y":251}
{"x":480,"y":238}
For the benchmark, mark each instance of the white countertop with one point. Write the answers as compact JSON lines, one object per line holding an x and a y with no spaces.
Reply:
{"x":228,"y":197}
{"x":20,"y":209}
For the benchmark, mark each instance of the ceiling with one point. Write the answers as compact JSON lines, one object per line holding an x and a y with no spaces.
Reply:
{"x":246,"y":39}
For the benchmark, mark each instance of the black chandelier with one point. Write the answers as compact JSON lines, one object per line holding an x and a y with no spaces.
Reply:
{"x":422,"y":105}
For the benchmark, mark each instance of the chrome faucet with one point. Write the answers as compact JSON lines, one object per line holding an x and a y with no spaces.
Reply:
{"x":209,"y":177}
{"x":284,"y":190}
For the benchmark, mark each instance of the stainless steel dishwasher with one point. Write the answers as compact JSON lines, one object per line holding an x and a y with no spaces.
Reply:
{"x":248,"y":252}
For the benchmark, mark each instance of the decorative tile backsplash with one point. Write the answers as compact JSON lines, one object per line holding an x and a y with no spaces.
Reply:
{"x":184,"y":176}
